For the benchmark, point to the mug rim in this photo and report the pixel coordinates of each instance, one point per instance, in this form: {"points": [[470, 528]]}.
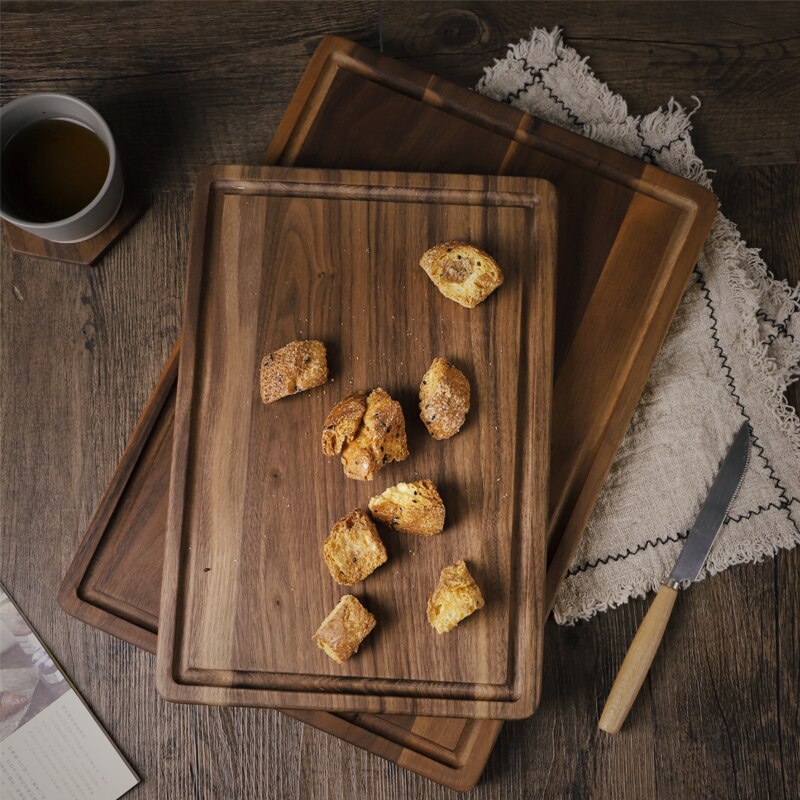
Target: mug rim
{"points": [[112, 157]]}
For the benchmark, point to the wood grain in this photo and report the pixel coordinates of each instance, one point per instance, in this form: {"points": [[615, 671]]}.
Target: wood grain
{"points": [[114, 584], [180, 113], [76, 375], [733, 60], [87, 252], [407, 127], [621, 274], [280, 254], [637, 661]]}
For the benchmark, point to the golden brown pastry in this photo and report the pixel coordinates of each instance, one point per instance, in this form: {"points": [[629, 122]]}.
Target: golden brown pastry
{"points": [[455, 598], [342, 424], [343, 630], [462, 272], [413, 508], [353, 550], [380, 440], [293, 368], [443, 399]]}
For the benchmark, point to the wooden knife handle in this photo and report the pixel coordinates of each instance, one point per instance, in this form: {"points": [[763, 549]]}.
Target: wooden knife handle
{"points": [[637, 661]]}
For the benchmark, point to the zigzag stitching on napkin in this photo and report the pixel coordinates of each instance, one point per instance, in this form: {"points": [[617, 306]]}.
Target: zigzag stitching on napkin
{"points": [[628, 552], [654, 152], [536, 78], [517, 93], [648, 151], [734, 393], [660, 540], [771, 320], [755, 512], [571, 115], [786, 500], [657, 151], [779, 326]]}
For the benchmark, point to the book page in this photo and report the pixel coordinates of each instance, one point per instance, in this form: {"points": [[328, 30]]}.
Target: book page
{"points": [[51, 745]]}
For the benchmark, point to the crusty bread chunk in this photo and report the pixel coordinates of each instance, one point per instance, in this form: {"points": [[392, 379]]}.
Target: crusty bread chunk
{"points": [[295, 367], [462, 272], [456, 597], [443, 399], [342, 424], [353, 550], [343, 630], [380, 440], [411, 508]]}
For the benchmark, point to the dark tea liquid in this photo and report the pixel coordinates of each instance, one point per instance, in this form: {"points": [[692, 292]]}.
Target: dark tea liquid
{"points": [[52, 169]]}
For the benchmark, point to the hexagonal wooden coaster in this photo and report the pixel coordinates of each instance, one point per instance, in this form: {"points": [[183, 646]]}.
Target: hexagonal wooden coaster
{"points": [[88, 252]]}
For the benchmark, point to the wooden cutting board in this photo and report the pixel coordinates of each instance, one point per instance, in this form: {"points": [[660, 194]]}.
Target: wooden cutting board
{"points": [[629, 234], [398, 117], [114, 584], [279, 254]]}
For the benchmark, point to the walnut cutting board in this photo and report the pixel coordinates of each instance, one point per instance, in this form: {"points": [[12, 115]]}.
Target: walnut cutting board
{"points": [[401, 118], [278, 254], [114, 583]]}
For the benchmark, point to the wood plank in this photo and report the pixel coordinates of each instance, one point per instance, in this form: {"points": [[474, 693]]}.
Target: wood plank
{"points": [[737, 61], [182, 94], [280, 254]]}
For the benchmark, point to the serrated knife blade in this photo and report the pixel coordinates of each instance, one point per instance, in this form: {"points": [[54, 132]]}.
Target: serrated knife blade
{"points": [[687, 568], [713, 512]]}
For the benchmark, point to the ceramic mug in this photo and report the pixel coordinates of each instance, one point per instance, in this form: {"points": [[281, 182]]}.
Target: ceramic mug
{"points": [[101, 211]]}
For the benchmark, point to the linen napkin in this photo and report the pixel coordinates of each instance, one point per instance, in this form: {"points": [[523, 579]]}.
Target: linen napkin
{"points": [[730, 354]]}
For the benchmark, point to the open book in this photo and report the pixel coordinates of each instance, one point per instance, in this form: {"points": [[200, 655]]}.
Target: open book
{"points": [[51, 745]]}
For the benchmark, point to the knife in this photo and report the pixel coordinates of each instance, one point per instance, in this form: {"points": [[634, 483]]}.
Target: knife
{"points": [[699, 542]]}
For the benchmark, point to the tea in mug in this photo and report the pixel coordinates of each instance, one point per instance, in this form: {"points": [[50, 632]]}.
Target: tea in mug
{"points": [[52, 169]]}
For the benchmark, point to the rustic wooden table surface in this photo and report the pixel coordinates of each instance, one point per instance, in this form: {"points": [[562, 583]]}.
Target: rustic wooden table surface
{"points": [[187, 84]]}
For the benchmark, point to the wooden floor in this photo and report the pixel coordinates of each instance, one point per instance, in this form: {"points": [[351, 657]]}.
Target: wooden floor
{"points": [[186, 84]]}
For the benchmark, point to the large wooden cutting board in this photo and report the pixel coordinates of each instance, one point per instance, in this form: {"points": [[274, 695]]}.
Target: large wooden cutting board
{"points": [[398, 117], [628, 236], [279, 254], [114, 584]]}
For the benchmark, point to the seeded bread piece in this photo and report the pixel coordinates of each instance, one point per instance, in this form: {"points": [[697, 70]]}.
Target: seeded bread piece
{"points": [[443, 399], [455, 598], [343, 630], [462, 272], [354, 549], [293, 368], [380, 440], [414, 508], [343, 422]]}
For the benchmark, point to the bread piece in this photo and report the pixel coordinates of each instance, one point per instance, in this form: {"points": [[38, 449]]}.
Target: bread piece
{"points": [[295, 367], [462, 272], [413, 508], [380, 440], [343, 422], [456, 597], [343, 630], [353, 550], [443, 399]]}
